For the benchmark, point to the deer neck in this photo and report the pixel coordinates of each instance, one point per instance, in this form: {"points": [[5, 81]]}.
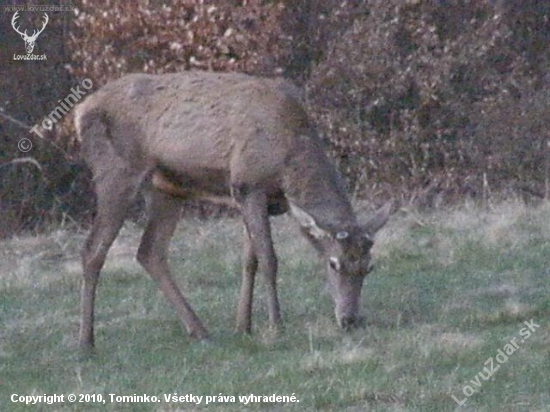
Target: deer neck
{"points": [[312, 182]]}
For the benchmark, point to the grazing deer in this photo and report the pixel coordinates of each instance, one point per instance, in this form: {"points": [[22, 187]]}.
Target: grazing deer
{"points": [[232, 138]]}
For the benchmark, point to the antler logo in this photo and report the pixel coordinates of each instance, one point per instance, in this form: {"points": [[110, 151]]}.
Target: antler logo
{"points": [[30, 41]]}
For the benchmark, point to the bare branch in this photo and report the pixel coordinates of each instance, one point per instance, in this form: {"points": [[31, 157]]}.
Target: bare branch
{"points": [[14, 120], [30, 160]]}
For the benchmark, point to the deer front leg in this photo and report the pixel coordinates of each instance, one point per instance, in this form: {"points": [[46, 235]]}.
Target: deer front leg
{"points": [[250, 267], [256, 218]]}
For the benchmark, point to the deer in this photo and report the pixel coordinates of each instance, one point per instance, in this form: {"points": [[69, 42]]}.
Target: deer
{"points": [[229, 138], [30, 41]]}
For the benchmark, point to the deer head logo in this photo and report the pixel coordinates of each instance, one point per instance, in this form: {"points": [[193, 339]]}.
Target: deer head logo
{"points": [[29, 40]]}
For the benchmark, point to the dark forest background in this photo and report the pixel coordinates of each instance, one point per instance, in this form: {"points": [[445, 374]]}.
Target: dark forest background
{"points": [[426, 102]]}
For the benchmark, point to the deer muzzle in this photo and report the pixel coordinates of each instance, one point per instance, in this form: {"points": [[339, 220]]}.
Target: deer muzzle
{"points": [[346, 300]]}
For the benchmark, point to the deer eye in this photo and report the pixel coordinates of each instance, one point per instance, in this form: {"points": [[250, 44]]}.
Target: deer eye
{"points": [[334, 263], [367, 242]]}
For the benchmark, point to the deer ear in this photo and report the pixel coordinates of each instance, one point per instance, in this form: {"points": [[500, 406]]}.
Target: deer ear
{"points": [[375, 222], [307, 222]]}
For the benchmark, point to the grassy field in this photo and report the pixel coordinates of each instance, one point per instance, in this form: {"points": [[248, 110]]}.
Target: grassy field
{"points": [[451, 290]]}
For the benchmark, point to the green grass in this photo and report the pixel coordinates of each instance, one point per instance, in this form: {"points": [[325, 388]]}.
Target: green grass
{"points": [[450, 289]]}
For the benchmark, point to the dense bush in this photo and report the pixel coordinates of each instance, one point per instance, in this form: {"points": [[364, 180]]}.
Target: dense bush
{"points": [[44, 185], [435, 100], [428, 102], [111, 38]]}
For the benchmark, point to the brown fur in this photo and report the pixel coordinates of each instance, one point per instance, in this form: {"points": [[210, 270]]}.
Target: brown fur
{"points": [[230, 138]]}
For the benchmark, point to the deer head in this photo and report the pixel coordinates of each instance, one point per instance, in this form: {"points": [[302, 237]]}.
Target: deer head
{"points": [[29, 40], [347, 253]]}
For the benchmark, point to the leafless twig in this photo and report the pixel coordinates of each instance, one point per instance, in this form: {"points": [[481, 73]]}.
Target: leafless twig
{"points": [[13, 119]]}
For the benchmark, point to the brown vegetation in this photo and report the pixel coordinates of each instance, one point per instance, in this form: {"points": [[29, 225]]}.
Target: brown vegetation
{"points": [[423, 101]]}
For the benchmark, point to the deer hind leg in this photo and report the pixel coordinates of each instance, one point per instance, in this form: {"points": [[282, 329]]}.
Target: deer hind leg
{"points": [[163, 215], [115, 191], [250, 267], [255, 213]]}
